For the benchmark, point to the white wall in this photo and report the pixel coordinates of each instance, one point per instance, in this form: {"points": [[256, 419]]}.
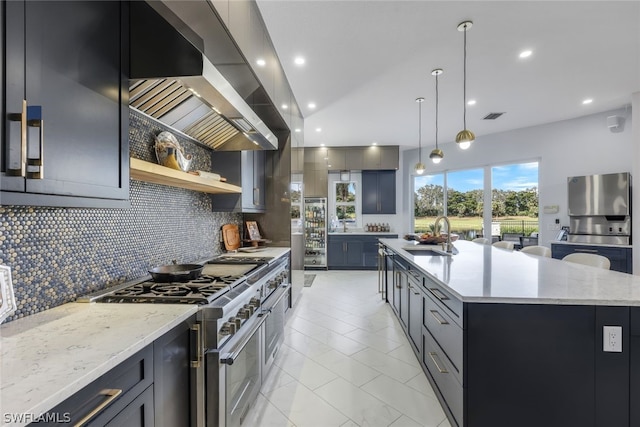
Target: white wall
{"points": [[580, 146]]}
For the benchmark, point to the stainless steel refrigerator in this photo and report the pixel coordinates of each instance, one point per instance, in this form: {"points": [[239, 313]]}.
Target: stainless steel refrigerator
{"points": [[315, 232]]}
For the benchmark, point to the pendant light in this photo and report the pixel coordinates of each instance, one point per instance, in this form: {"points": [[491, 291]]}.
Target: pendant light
{"points": [[437, 154], [420, 166], [465, 137]]}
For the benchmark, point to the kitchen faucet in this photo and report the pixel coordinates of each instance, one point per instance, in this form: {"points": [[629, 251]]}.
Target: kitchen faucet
{"points": [[344, 226], [449, 246]]}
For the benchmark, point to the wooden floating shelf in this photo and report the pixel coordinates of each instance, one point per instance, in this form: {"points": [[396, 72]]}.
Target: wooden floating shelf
{"points": [[157, 174]]}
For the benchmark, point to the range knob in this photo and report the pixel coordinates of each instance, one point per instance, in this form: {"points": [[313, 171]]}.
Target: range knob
{"points": [[227, 329], [255, 302], [244, 313], [236, 321], [273, 284]]}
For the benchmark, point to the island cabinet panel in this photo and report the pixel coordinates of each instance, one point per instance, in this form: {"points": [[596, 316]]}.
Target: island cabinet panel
{"points": [[620, 258], [634, 368], [612, 369], [65, 134], [530, 365], [416, 310]]}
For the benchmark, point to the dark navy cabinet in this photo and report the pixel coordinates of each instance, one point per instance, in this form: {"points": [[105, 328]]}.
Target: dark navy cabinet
{"points": [[153, 388], [345, 252], [621, 258], [353, 251], [66, 113], [247, 170], [379, 192]]}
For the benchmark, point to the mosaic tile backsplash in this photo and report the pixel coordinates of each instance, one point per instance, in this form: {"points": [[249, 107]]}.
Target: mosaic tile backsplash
{"points": [[57, 254]]}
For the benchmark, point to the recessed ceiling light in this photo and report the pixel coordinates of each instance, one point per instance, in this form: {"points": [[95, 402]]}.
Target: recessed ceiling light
{"points": [[471, 102], [311, 105], [318, 129], [285, 106], [321, 145], [299, 60], [261, 62], [297, 130], [374, 143], [587, 101], [525, 53]]}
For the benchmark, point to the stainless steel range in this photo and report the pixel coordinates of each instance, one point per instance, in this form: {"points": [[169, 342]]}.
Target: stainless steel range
{"points": [[239, 329]]}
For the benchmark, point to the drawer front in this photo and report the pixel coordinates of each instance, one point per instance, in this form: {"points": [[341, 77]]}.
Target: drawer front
{"points": [[446, 332], [446, 300], [114, 390], [441, 371]]}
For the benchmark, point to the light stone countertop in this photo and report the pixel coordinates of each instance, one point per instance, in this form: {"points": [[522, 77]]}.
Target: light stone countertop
{"points": [[47, 357], [482, 273]]}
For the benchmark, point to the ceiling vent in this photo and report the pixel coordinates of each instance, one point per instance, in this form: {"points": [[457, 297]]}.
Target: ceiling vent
{"points": [[492, 116]]}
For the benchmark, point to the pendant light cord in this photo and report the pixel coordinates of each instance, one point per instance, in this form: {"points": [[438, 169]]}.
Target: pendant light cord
{"points": [[464, 80], [437, 110], [420, 131]]}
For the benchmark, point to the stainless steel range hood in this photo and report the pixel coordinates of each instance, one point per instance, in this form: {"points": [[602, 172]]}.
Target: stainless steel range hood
{"points": [[172, 81]]}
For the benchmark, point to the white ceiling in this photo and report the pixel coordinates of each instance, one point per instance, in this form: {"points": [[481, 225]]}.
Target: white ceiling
{"points": [[367, 61]]}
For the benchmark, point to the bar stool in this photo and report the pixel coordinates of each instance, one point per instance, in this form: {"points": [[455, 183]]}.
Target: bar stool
{"points": [[482, 241], [589, 259], [503, 244], [537, 250]]}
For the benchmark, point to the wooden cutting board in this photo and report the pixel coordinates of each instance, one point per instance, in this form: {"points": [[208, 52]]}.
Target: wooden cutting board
{"points": [[231, 237]]}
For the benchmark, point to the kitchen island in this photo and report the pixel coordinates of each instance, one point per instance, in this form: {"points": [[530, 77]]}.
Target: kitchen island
{"points": [[510, 339]]}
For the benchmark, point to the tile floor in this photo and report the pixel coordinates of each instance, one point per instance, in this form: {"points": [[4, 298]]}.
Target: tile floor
{"points": [[345, 362]]}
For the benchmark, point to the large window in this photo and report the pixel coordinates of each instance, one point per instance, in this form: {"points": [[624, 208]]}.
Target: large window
{"points": [[460, 195], [345, 202], [429, 201], [514, 198], [465, 202]]}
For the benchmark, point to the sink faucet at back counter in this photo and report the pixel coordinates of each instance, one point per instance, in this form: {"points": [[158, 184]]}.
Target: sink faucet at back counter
{"points": [[449, 246]]}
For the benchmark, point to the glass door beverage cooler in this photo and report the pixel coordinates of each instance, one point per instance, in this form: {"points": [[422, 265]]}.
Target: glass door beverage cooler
{"points": [[315, 232]]}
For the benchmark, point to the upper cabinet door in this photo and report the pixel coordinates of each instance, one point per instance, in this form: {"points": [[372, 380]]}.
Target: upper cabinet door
{"points": [[379, 192], [69, 122]]}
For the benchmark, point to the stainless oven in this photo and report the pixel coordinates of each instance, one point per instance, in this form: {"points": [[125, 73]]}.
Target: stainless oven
{"points": [[234, 368], [238, 376], [273, 328]]}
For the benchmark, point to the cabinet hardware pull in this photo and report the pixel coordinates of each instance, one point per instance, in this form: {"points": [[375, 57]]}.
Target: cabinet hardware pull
{"points": [[34, 119], [113, 394], [195, 329], [256, 196], [438, 294], [441, 320], [412, 291], [591, 251], [22, 118], [433, 356], [398, 282]]}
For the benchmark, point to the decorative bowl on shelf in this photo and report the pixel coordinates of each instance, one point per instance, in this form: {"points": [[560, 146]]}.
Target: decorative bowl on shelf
{"points": [[170, 154]]}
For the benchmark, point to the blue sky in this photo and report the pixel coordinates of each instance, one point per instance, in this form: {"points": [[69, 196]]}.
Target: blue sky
{"points": [[506, 177]]}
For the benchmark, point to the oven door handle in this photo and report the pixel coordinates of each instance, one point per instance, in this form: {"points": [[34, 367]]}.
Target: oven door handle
{"points": [[277, 298], [230, 357]]}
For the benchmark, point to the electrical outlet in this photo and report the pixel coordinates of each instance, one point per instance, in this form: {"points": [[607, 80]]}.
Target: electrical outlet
{"points": [[612, 339]]}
